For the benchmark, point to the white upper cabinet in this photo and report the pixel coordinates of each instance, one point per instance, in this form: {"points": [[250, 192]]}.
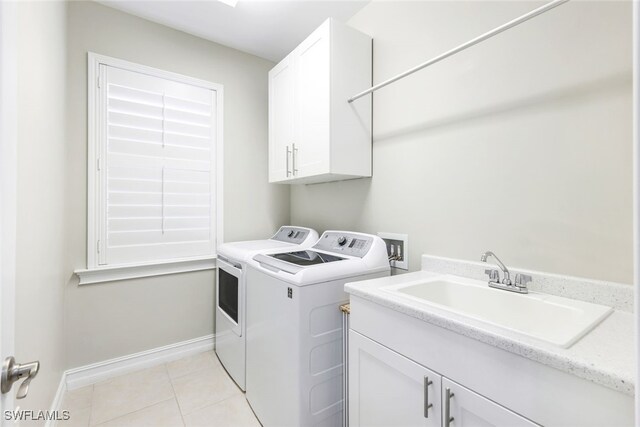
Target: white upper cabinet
{"points": [[315, 135], [281, 118]]}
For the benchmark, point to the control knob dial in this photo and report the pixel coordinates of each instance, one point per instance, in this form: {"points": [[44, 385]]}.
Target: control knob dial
{"points": [[342, 240]]}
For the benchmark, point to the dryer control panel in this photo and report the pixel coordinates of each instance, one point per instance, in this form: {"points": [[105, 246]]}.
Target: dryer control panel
{"points": [[346, 243], [295, 235]]}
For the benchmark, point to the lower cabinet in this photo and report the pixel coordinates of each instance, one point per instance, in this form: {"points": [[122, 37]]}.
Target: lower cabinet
{"points": [[463, 407], [388, 389]]}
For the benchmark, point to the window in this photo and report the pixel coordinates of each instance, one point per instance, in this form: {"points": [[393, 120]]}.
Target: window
{"points": [[153, 166]]}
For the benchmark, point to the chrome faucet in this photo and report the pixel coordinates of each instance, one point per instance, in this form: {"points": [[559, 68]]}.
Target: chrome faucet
{"points": [[521, 280], [507, 277]]}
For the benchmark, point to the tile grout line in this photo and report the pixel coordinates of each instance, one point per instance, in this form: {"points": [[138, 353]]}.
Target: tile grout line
{"points": [[216, 360], [89, 407], [175, 395], [202, 407], [131, 412], [182, 414], [93, 389], [215, 366], [216, 363], [212, 358], [204, 353]]}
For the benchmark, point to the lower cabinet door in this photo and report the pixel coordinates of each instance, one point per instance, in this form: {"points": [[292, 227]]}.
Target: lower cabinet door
{"points": [[387, 389], [465, 408]]}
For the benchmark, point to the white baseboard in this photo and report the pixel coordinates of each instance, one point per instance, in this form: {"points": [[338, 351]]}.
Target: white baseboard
{"points": [[56, 405], [91, 374], [96, 372]]}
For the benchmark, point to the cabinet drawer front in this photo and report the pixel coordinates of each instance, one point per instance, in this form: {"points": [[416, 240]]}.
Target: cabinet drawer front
{"points": [[387, 389], [467, 408]]}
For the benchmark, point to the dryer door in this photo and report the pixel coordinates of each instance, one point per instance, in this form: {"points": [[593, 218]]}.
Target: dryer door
{"points": [[230, 297]]}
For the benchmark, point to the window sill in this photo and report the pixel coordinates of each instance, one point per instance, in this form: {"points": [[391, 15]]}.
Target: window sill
{"points": [[124, 272]]}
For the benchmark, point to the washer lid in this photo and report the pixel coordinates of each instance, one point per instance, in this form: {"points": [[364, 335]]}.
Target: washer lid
{"points": [[305, 258], [242, 251], [287, 239]]}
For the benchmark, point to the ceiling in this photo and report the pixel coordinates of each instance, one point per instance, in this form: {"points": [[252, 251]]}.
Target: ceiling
{"points": [[265, 28]]}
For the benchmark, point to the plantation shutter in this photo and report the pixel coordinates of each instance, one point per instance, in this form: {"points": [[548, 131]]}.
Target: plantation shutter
{"points": [[158, 178]]}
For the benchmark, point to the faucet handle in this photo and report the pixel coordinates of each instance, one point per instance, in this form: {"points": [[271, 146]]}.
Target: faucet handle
{"points": [[493, 274], [522, 280]]}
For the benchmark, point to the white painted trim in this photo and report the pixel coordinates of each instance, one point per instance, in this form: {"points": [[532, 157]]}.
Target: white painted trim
{"points": [[124, 272], [94, 144], [92, 73], [219, 167], [91, 374], [636, 189], [96, 372], [56, 405], [96, 59], [8, 183]]}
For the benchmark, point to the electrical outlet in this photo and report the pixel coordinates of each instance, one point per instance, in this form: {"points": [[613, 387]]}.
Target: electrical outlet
{"points": [[397, 248]]}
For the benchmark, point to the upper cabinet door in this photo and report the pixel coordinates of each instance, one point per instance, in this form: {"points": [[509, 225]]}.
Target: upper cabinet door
{"points": [[313, 78], [314, 134], [387, 389], [466, 408], [281, 120]]}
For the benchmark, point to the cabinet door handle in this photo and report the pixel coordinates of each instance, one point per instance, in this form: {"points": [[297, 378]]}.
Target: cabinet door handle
{"points": [[287, 154], [294, 154], [427, 405], [448, 419]]}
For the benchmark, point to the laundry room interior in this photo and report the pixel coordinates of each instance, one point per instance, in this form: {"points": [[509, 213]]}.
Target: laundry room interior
{"points": [[319, 213]]}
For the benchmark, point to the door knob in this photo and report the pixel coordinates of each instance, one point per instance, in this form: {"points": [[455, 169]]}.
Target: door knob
{"points": [[13, 372]]}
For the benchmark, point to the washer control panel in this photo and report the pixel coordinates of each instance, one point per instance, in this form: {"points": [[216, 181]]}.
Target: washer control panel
{"points": [[294, 235], [345, 243]]}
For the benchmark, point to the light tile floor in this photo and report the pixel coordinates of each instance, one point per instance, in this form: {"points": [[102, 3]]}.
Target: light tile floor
{"points": [[194, 391]]}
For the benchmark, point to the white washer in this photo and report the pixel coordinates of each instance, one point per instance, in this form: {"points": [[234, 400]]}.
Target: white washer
{"points": [[230, 329], [294, 327]]}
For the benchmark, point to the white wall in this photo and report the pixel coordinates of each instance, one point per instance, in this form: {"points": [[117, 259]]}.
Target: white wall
{"points": [[114, 319], [41, 207], [521, 145]]}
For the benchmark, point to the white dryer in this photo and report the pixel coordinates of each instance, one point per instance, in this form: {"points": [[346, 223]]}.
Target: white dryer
{"points": [[294, 326], [230, 327]]}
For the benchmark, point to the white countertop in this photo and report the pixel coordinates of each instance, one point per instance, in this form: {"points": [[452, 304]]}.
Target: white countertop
{"points": [[605, 355]]}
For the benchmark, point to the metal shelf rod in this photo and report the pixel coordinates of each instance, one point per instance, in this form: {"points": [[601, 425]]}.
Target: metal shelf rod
{"points": [[481, 38]]}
